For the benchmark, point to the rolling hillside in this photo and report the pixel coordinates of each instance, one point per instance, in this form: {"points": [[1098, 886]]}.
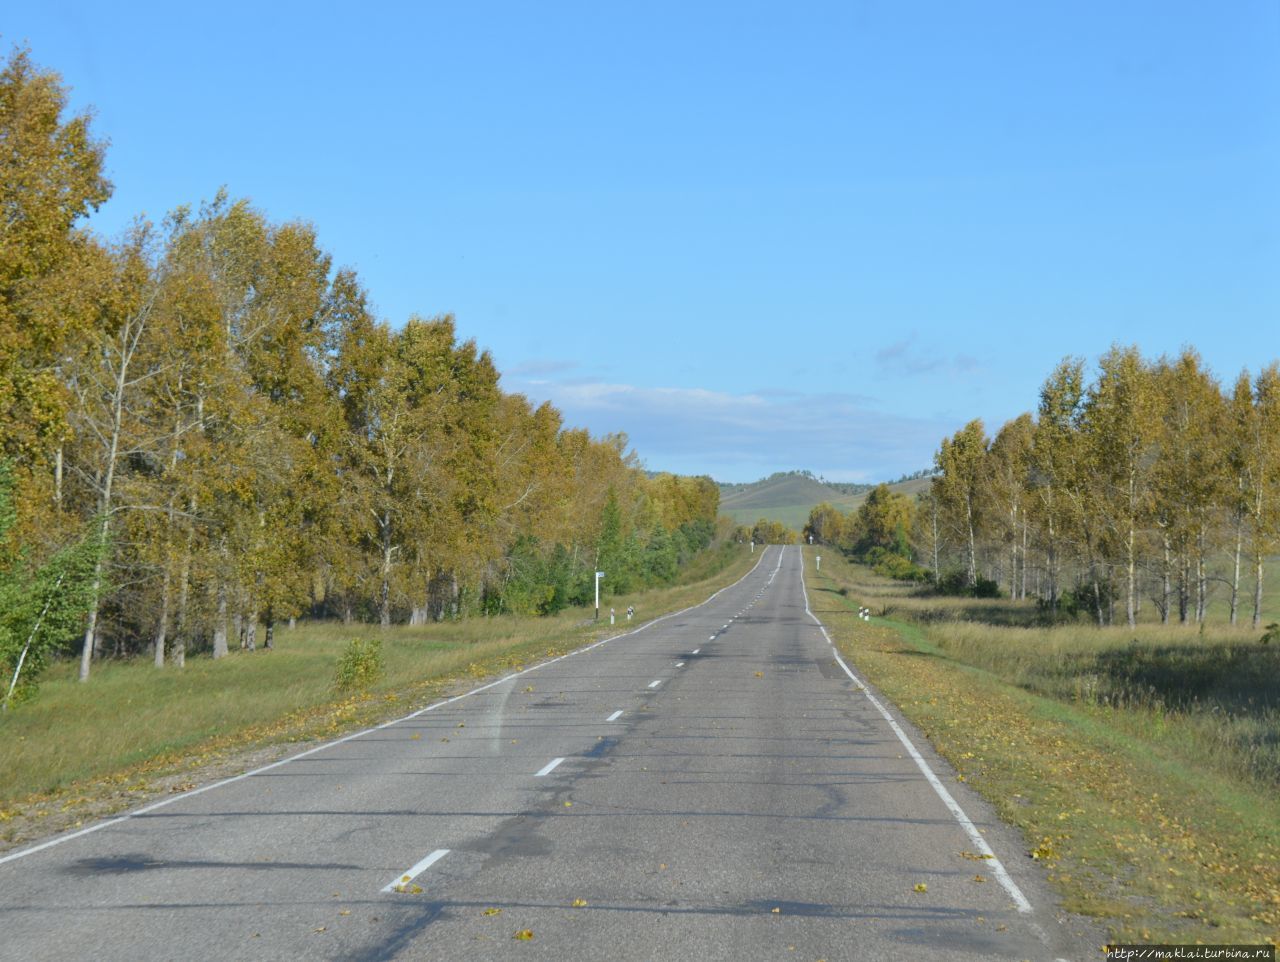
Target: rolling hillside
{"points": [[789, 496]]}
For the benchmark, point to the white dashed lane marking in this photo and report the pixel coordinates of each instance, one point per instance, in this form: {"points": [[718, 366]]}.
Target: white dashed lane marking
{"points": [[417, 870], [548, 768]]}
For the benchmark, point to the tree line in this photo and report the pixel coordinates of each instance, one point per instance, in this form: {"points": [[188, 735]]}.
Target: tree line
{"points": [[1149, 482], [765, 531], [878, 533], [215, 411]]}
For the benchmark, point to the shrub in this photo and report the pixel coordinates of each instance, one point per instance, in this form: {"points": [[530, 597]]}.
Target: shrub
{"points": [[957, 583], [891, 564], [360, 666]]}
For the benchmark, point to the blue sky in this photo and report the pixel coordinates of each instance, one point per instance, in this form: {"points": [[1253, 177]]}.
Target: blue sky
{"points": [[752, 236]]}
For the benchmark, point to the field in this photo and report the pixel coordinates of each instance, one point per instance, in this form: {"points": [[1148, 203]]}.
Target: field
{"points": [[75, 744], [789, 498], [1142, 766]]}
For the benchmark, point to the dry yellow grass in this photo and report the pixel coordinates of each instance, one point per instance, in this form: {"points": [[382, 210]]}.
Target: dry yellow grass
{"points": [[1138, 825]]}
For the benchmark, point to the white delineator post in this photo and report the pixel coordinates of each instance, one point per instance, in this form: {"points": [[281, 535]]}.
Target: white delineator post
{"points": [[599, 575], [753, 547], [818, 565]]}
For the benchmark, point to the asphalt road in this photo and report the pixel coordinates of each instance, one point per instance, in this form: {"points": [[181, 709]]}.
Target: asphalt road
{"points": [[713, 786]]}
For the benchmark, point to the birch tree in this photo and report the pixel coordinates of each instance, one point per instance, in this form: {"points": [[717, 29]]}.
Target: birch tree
{"points": [[106, 384], [961, 461], [1119, 422], [1262, 473], [1053, 463], [1009, 467]]}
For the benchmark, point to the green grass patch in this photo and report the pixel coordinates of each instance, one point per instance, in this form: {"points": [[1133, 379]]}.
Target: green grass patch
{"points": [[75, 743], [1138, 766], [792, 515]]}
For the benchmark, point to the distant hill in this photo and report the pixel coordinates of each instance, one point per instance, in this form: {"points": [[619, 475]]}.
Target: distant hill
{"points": [[788, 496], [791, 487]]}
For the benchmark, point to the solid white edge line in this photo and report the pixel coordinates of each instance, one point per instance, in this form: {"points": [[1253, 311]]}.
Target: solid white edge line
{"points": [[615, 715], [548, 768], [655, 684], [146, 809], [952, 805], [417, 870]]}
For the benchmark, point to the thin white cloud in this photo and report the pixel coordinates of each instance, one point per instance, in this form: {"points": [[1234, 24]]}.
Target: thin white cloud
{"points": [[903, 359], [743, 436]]}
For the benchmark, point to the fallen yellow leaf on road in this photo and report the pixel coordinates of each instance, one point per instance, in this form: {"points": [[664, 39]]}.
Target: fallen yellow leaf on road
{"points": [[524, 935], [579, 903], [921, 887], [493, 911]]}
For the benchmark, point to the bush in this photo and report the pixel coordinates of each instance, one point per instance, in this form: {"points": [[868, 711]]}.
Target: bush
{"points": [[892, 564], [957, 583], [360, 666]]}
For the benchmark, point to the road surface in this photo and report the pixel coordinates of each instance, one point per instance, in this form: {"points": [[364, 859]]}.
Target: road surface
{"points": [[715, 785]]}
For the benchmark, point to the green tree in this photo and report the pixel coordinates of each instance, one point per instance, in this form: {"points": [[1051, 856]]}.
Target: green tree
{"points": [[41, 605], [660, 555], [884, 518]]}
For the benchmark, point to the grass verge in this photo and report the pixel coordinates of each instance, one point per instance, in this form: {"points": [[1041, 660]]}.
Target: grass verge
{"points": [[77, 751], [1135, 826]]}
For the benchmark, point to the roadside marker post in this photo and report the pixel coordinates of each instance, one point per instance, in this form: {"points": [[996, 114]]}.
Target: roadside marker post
{"points": [[599, 575]]}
